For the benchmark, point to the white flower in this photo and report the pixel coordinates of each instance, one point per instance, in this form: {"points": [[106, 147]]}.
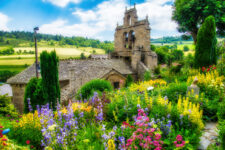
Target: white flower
{"points": [[150, 88]]}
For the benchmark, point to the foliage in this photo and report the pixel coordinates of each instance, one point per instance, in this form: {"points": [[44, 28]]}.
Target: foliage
{"points": [[147, 76], [157, 70], [129, 80], [174, 90], [50, 77], [222, 133], [162, 54], [198, 11], [8, 51], [205, 54], [27, 128], [6, 107], [82, 56], [5, 74], [177, 54], [92, 86], [186, 48], [189, 60], [34, 95]]}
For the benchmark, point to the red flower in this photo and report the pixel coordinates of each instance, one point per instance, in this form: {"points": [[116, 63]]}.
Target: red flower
{"points": [[214, 68], [28, 142], [210, 66], [203, 69], [208, 69], [31, 146], [1, 127], [4, 144], [4, 139], [125, 123]]}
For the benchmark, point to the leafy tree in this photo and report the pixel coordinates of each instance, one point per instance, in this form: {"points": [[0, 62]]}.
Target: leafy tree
{"points": [[50, 77], [186, 48], [129, 80], [190, 14], [177, 54], [205, 53]]}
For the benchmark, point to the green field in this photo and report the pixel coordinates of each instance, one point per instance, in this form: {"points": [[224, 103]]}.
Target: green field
{"points": [[20, 62]]}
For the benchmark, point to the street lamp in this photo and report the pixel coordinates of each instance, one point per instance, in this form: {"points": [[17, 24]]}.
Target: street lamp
{"points": [[36, 51]]}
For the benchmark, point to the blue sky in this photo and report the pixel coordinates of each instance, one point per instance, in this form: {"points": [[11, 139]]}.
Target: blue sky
{"points": [[88, 18]]}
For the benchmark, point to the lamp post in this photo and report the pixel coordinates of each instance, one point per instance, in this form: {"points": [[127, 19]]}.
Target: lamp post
{"points": [[36, 51]]}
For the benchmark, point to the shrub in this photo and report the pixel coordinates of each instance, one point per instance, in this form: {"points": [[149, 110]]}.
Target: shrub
{"points": [[176, 69], [6, 107], [174, 90], [186, 48], [157, 70], [222, 133], [92, 86], [28, 128], [4, 75], [129, 80], [147, 76], [34, 92]]}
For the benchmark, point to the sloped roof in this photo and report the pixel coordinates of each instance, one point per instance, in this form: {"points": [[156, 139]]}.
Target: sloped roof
{"points": [[89, 69], [25, 76]]}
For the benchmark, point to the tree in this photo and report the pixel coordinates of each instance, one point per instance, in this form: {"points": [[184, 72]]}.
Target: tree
{"points": [[190, 14], [50, 77], [205, 53]]}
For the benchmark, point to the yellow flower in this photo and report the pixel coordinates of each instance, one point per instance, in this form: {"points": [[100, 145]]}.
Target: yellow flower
{"points": [[111, 145]]}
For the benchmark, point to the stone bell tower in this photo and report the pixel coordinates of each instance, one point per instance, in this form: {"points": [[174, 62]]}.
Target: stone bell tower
{"points": [[132, 41]]}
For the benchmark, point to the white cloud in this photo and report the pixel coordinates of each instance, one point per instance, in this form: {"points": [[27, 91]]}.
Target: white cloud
{"points": [[3, 22], [102, 20], [62, 3]]}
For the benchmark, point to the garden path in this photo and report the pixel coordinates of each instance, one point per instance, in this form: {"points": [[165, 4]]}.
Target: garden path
{"points": [[209, 135]]}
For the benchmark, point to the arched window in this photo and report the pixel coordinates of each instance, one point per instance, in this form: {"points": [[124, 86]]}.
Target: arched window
{"points": [[131, 39], [125, 39], [128, 20]]}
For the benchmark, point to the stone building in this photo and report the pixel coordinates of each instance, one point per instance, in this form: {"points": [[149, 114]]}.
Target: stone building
{"points": [[132, 56]]}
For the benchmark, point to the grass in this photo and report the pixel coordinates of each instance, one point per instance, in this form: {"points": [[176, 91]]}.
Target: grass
{"points": [[19, 62]]}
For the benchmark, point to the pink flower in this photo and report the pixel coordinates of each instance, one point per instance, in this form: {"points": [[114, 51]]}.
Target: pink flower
{"points": [[139, 130], [158, 148], [179, 138], [157, 136]]}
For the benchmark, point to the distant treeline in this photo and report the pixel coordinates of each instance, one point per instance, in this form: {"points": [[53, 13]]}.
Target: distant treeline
{"points": [[14, 38], [172, 39]]}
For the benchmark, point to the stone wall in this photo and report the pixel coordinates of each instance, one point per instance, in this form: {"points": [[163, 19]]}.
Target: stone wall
{"points": [[18, 96], [141, 69], [113, 77]]}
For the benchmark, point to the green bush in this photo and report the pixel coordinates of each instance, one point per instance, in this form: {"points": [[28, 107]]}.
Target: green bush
{"points": [[222, 133], [4, 75], [129, 80], [92, 86], [174, 90], [6, 107], [157, 70], [221, 110], [186, 48], [147, 76], [34, 91]]}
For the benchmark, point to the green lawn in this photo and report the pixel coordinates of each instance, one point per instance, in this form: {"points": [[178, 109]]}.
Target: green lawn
{"points": [[20, 62]]}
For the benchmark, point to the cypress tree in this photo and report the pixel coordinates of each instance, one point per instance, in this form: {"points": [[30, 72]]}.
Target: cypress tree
{"points": [[205, 54], [50, 78]]}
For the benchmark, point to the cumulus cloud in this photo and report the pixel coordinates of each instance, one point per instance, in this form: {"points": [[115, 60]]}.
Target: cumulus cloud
{"points": [[62, 3], [3, 22], [103, 18]]}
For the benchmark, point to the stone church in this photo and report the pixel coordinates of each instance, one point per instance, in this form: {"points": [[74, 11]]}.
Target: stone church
{"points": [[132, 56]]}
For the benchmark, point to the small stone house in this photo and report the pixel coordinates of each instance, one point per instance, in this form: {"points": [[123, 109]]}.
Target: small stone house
{"points": [[132, 56]]}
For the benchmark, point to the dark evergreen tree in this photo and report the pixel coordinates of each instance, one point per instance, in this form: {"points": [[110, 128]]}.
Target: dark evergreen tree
{"points": [[205, 53], [50, 78]]}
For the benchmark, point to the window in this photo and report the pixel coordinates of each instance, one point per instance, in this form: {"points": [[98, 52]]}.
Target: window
{"points": [[129, 20], [116, 85]]}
